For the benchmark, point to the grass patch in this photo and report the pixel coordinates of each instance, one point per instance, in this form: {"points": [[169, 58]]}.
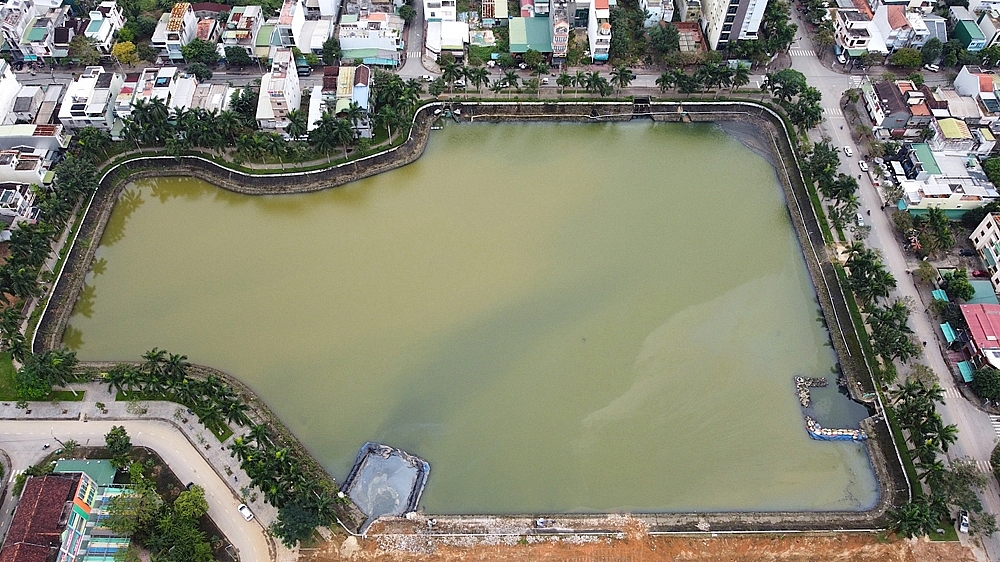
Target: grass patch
{"points": [[65, 396], [7, 371], [949, 534]]}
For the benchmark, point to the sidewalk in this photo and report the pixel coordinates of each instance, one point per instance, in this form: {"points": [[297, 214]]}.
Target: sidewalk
{"points": [[215, 454]]}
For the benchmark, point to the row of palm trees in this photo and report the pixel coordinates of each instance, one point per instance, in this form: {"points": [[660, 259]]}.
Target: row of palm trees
{"points": [[705, 77], [165, 376], [31, 244], [840, 189]]}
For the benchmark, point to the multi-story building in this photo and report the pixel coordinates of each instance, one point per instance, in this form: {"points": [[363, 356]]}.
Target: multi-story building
{"points": [[896, 108], [174, 30], [9, 90], [279, 92], [354, 86], [949, 182], [851, 29], [17, 202], [90, 100], [370, 31], [27, 104], [39, 40], [15, 18], [599, 30], [689, 10], [986, 239], [242, 27], [560, 32], [989, 24], [35, 533], [105, 21], [966, 29], [731, 20], [657, 11], [291, 19], [439, 10]]}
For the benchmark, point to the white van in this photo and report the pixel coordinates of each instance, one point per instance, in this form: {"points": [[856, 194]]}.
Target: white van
{"points": [[932, 67]]}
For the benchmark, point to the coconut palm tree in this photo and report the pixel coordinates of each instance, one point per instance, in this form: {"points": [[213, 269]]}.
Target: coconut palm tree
{"points": [[564, 80], [342, 134], [666, 81], [297, 127], [621, 77], [322, 136], [741, 76]]}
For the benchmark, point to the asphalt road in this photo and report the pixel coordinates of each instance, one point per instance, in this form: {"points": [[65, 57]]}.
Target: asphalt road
{"points": [[976, 437], [23, 441]]}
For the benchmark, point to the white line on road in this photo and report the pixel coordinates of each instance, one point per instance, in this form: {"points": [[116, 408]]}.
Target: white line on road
{"points": [[802, 53], [995, 420], [832, 111]]}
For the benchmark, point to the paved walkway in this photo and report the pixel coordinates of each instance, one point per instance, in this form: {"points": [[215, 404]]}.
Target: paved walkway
{"points": [[165, 427]]}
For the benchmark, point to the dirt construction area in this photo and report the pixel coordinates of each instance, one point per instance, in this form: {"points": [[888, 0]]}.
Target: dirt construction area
{"points": [[772, 548]]}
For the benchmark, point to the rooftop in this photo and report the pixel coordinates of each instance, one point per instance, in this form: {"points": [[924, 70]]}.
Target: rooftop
{"points": [[984, 324], [177, 16], [100, 471], [38, 519]]}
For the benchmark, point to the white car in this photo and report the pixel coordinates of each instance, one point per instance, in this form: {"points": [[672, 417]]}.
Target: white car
{"points": [[245, 512], [848, 151], [963, 521], [863, 165], [861, 219]]}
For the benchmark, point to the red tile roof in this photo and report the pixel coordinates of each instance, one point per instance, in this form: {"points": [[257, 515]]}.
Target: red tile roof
{"points": [[37, 519], [984, 324], [897, 16]]}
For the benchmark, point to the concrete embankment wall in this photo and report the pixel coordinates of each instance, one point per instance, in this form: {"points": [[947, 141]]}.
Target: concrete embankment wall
{"points": [[770, 139]]}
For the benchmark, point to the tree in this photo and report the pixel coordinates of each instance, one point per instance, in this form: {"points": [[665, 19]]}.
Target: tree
{"points": [[776, 31], [331, 51], [238, 57], [296, 127], [940, 228], [92, 143], [982, 524], [125, 53], [296, 522], [957, 285], [436, 87], [664, 39], [916, 518], [407, 13], [117, 441], [82, 48], [191, 503], [29, 385], [200, 71], [621, 77], [986, 383], [199, 50], [931, 51], [784, 84], [907, 58], [533, 58]]}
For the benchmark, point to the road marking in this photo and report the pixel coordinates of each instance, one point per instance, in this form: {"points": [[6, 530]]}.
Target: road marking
{"points": [[832, 111], [856, 81], [412, 55], [995, 420], [985, 466], [802, 53]]}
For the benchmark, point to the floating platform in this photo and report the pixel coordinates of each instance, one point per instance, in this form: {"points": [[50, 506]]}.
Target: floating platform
{"points": [[385, 481], [818, 432]]}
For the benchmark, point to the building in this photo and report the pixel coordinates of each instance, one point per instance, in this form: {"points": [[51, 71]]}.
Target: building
{"points": [[242, 27], [983, 320], [851, 29], [689, 10], [105, 22], [989, 24], [896, 108], [209, 30], [986, 239], [85, 539], [35, 533], [530, 33], [937, 27], [16, 16], [900, 28], [17, 202], [354, 86], [90, 100], [598, 30], [10, 88], [439, 10], [559, 17], [951, 183], [39, 39], [27, 104], [380, 31], [657, 11], [731, 20], [50, 104], [972, 82], [174, 30], [966, 30], [279, 92], [291, 20]]}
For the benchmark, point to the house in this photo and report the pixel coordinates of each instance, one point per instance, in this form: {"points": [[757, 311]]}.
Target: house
{"points": [[530, 33], [689, 10], [38, 41], [105, 21], [561, 30], [966, 30], [242, 27], [951, 183], [974, 83], [90, 100], [85, 538], [439, 10], [598, 30], [16, 16], [986, 239], [10, 88], [50, 104], [290, 23], [851, 29], [45, 141], [983, 320], [27, 103], [279, 92], [380, 31], [35, 533], [937, 27], [208, 29], [952, 135], [174, 30], [726, 21], [17, 202], [898, 107], [989, 24], [354, 86], [657, 11]]}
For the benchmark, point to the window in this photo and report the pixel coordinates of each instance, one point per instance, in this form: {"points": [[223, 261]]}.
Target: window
{"points": [[727, 27], [724, 37], [733, 9], [730, 19]]}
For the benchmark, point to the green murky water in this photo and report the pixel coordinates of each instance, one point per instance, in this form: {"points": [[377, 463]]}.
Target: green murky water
{"points": [[557, 317]]}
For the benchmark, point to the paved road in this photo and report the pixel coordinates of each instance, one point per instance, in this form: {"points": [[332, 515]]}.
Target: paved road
{"points": [[976, 437], [23, 441]]}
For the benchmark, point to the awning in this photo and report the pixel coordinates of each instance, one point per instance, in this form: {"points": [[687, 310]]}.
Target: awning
{"points": [[949, 333], [940, 295], [966, 370], [856, 52], [48, 177]]}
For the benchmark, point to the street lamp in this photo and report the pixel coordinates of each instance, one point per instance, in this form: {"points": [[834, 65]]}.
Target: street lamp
{"points": [[52, 433]]}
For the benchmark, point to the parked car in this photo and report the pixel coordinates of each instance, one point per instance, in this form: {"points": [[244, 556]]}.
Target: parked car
{"points": [[967, 252], [963, 521], [460, 84], [426, 78], [980, 273], [841, 59], [245, 512], [863, 165], [861, 219], [932, 67], [848, 151]]}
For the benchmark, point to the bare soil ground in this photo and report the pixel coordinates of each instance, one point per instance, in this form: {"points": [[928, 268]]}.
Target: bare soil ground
{"points": [[777, 548]]}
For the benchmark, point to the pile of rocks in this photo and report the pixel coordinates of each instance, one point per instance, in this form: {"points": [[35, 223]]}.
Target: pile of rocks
{"points": [[802, 385]]}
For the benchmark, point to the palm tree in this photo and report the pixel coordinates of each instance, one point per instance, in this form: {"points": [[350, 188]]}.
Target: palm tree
{"points": [[477, 76], [621, 77], [450, 71], [564, 80], [741, 76], [342, 134], [666, 81], [322, 136], [510, 79], [297, 127], [388, 117]]}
